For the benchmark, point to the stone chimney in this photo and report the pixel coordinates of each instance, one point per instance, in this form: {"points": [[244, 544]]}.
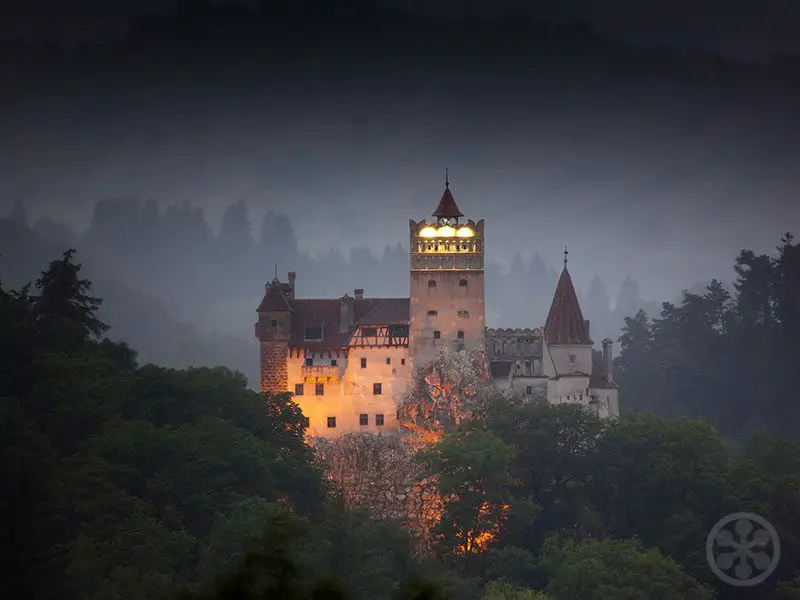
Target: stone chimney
{"points": [[588, 329], [292, 277], [346, 313], [608, 358], [358, 293]]}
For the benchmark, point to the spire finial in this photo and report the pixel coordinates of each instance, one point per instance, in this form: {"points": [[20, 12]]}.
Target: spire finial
{"points": [[565, 256], [276, 271], [446, 178]]}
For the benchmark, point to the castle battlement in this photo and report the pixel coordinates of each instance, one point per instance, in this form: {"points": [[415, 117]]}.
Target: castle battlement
{"points": [[350, 361]]}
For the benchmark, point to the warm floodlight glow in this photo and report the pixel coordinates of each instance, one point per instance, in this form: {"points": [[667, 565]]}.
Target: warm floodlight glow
{"points": [[447, 231], [428, 232], [465, 232]]}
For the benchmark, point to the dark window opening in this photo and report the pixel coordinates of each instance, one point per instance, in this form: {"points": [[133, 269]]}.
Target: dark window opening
{"points": [[572, 359], [433, 313], [369, 332], [319, 389], [331, 422], [463, 283], [314, 333], [363, 419], [379, 420], [431, 283], [398, 330], [298, 389], [306, 422], [463, 314], [529, 390], [377, 389], [309, 362], [363, 363], [388, 360], [460, 335], [437, 334], [274, 323], [334, 362], [402, 361]]}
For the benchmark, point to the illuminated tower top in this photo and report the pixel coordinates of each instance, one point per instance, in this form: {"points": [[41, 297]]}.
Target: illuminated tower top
{"points": [[445, 244]]}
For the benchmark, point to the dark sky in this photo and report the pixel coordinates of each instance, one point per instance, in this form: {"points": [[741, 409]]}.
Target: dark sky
{"points": [[743, 28]]}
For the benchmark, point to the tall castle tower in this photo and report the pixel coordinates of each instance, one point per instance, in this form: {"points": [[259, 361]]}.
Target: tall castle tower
{"points": [[446, 307]]}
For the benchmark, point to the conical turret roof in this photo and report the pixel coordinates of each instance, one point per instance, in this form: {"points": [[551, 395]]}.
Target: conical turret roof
{"points": [[447, 205], [565, 323]]}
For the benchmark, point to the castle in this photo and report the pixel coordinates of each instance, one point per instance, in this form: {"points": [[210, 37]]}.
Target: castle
{"points": [[350, 361]]}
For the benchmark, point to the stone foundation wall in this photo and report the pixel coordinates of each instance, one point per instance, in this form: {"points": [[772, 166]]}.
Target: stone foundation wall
{"points": [[274, 371]]}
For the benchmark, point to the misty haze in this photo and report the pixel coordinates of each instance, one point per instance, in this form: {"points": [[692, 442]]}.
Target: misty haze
{"points": [[217, 207]]}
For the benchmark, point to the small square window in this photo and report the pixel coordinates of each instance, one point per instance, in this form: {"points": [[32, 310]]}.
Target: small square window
{"points": [[306, 422], [460, 335], [334, 362], [529, 390], [319, 389], [363, 419], [377, 389], [463, 283], [309, 362], [433, 313], [298, 389], [363, 363], [331, 422], [274, 323], [379, 420], [403, 361], [437, 334], [431, 283], [388, 360]]}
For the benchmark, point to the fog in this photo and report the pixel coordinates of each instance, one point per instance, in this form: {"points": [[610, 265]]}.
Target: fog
{"points": [[654, 165]]}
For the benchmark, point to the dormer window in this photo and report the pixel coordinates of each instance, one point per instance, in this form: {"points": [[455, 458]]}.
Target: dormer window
{"points": [[313, 334]]}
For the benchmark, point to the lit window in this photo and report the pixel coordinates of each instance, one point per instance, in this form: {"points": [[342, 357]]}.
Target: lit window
{"points": [[319, 389], [363, 419], [377, 389], [379, 420], [331, 422], [298, 389]]}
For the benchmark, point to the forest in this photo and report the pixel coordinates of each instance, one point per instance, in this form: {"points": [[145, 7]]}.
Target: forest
{"points": [[128, 481]]}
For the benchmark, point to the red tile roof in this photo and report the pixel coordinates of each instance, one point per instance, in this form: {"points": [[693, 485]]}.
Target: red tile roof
{"points": [[447, 206], [565, 323], [274, 299], [598, 380], [326, 314]]}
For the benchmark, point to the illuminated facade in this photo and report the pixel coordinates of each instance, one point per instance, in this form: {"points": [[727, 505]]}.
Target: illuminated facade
{"points": [[349, 361]]}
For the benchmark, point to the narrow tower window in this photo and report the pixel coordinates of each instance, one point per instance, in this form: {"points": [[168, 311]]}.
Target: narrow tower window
{"points": [[331, 422], [363, 419], [460, 335], [377, 389], [319, 389], [379, 420], [437, 334]]}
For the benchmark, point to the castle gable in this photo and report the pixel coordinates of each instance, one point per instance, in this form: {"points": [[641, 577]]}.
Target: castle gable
{"points": [[325, 314], [599, 378], [274, 299]]}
